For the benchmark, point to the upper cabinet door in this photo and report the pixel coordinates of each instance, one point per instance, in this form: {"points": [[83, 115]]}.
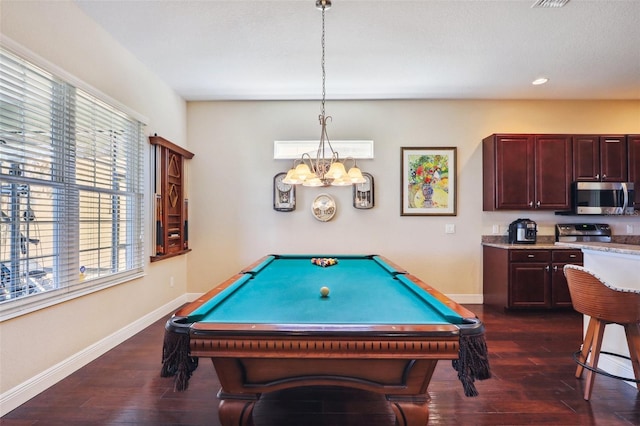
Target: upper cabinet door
{"points": [[553, 159], [586, 158], [613, 158], [600, 158]]}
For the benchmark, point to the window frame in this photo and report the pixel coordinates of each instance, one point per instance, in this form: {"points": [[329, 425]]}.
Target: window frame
{"points": [[73, 289]]}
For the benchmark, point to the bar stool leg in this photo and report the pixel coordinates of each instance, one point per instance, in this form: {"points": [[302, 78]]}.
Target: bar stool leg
{"points": [[598, 334], [586, 346], [633, 340]]}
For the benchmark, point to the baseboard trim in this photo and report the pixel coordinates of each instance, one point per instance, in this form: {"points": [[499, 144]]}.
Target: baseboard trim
{"points": [[190, 297], [617, 366], [20, 394], [466, 299]]}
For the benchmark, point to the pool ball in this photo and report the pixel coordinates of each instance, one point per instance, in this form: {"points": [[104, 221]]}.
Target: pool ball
{"points": [[324, 291]]}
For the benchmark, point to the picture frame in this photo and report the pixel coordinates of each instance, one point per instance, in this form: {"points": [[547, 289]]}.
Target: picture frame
{"points": [[284, 194], [363, 193], [428, 181]]}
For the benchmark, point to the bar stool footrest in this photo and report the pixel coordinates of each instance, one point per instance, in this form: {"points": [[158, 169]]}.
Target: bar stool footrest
{"points": [[599, 371]]}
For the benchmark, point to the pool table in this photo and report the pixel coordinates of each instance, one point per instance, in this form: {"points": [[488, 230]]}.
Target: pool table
{"points": [[380, 329]]}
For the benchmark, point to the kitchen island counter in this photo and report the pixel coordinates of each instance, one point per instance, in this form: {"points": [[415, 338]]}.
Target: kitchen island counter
{"points": [[625, 249]]}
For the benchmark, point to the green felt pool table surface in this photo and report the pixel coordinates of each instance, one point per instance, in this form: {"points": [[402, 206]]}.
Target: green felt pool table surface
{"points": [[363, 290]]}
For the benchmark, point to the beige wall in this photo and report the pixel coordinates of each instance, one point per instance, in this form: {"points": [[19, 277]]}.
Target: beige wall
{"points": [[61, 34], [233, 221]]}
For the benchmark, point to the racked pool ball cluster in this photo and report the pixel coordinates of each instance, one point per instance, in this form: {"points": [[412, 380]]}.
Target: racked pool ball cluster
{"points": [[324, 261]]}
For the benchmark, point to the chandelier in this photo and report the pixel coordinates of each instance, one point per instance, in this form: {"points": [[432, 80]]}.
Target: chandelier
{"points": [[326, 168]]}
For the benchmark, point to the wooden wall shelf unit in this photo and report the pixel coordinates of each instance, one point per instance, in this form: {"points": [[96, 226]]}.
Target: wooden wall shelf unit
{"points": [[171, 212]]}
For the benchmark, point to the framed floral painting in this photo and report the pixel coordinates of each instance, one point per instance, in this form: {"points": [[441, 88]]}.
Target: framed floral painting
{"points": [[428, 181]]}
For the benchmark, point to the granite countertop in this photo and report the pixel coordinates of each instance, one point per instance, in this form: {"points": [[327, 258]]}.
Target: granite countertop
{"points": [[631, 249], [622, 244], [542, 242], [536, 246]]}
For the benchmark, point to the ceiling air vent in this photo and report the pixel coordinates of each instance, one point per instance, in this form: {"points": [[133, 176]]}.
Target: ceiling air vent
{"points": [[549, 3]]}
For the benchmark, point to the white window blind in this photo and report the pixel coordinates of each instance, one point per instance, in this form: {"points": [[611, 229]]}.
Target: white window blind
{"points": [[71, 201]]}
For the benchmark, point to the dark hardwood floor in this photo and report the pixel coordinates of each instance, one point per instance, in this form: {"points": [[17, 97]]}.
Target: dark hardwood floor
{"points": [[533, 383]]}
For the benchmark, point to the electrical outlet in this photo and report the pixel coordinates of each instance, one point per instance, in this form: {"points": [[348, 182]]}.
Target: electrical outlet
{"points": [[496, 229], [450, 228], [629, 229]]}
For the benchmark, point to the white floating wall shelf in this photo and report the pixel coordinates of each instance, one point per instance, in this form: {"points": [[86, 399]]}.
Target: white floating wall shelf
{"points": [[290, 150]]}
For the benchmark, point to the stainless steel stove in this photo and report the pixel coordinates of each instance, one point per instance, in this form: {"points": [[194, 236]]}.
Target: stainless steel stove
{"points": [[581, 232]]}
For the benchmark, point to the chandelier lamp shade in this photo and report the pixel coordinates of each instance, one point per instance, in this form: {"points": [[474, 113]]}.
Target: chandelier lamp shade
{"points": [[326, 168]]}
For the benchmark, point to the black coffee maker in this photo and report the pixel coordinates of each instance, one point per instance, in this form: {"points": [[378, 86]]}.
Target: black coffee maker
{"points": [[523, 231]]}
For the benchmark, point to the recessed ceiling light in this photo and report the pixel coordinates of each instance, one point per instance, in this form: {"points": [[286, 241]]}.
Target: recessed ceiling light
{"points": [[539, 81]]}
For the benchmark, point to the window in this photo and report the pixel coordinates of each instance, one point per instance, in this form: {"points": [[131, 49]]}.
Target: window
{"points": [[71, 200]]}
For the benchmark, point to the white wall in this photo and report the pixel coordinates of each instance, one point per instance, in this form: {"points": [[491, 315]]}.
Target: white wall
{"points": [[231, 182], [39, 348]]}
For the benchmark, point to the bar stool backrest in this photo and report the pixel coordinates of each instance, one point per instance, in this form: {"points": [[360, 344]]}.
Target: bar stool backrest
{"points": [[592, 296]]}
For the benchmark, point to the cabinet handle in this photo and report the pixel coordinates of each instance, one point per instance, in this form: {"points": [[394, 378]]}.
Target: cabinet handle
{"points": [[546, 268], [598, 176], [531, 255], [573, 255], [555, 268], [604, 176], [530, 203], [538, 204]]}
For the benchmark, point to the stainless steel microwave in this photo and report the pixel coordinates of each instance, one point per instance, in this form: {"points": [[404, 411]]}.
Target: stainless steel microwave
{"points": [[614, 198]]}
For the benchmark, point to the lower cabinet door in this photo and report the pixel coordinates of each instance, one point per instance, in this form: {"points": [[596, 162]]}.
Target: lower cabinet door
{"points": [[529, 285], [560, 296]]}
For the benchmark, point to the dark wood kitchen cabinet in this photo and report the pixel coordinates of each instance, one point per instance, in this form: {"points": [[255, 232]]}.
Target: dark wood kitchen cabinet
{"points": [[598, 158], [633, 146], [527, 278], [526, 172]]}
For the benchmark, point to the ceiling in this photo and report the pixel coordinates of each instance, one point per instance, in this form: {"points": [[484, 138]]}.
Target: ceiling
{"points": [[382, 49]]}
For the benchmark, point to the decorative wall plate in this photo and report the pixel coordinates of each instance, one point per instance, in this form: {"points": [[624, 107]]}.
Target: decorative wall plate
{"points": [[323, 207]]}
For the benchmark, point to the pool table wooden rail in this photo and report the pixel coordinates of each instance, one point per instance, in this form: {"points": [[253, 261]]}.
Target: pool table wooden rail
{"points": [[335, 347]]}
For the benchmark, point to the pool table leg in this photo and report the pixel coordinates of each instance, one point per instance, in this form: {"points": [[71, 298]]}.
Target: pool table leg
{"points": [[236, 410], [410, 410]]}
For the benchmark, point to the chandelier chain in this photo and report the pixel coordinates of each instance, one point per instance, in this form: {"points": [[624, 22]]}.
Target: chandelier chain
{"points": [[323, 69]]}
